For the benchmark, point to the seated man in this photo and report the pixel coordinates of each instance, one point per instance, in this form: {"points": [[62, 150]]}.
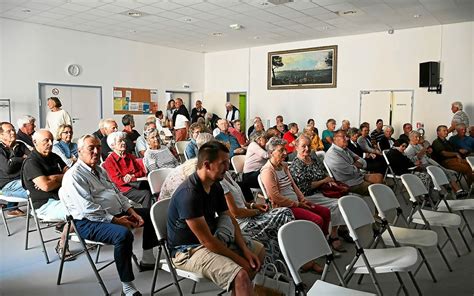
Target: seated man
{"points": [[345, 166], [192, 225], [103, 214], [12, 155], [26, 128], [461, 141], [230, 141], [235, 130], [257, 127], [100, 133], [407, 128], [448, 156], [42, 173]]}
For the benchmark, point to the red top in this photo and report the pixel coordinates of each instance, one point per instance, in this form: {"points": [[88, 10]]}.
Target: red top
{"points": [[240, 136], [117, 167], [289, 137]]}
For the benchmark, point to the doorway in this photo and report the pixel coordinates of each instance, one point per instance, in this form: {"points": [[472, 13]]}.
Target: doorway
{"points": [[82, 102], [394, 107], [239, 99], [185, 96]]}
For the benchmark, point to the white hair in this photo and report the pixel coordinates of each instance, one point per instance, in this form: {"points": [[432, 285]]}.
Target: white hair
{"points": [[457, 105], [80, 142], [37, 135], [109, 121], [112, 138], [386, 127], [25, 119], [101, 123]]}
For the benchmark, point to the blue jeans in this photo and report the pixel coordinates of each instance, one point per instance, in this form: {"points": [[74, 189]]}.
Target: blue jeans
{"points": [[15, 189], [121, 238]]}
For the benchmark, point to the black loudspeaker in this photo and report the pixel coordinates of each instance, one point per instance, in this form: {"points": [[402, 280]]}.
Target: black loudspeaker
{"points": [[429, 74]]}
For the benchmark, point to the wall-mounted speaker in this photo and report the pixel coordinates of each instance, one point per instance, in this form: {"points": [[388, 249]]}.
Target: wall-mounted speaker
{"points": [[429, 74]]}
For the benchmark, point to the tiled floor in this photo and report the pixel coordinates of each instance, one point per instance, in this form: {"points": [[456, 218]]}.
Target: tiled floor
{"points": [[26, 273]]}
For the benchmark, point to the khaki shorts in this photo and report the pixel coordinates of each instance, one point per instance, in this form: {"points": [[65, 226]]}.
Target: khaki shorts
{"points": [[219, 269], [362, 188]]}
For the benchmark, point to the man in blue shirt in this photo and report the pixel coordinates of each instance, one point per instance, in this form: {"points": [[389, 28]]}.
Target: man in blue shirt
{"points": [[461, 141], [227, 139]]}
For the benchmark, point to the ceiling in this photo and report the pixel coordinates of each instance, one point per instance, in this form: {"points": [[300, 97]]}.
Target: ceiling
{"points": [[193, 24]]}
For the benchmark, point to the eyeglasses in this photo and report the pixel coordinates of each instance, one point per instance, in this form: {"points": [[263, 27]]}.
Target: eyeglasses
{"points": [[67, 132]]}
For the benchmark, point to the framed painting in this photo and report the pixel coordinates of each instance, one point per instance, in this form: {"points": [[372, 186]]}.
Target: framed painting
{"points": [[314, 67]]}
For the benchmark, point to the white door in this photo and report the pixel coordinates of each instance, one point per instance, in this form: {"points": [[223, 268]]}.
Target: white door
{"points": [[401, 110], [374, 105], [84, 105]]}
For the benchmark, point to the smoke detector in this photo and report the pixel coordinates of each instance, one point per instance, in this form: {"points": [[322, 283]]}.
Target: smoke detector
{"points": [[235, 26]]}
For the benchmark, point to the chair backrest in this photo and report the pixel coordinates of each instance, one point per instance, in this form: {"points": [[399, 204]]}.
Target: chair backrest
{"points": [[384, 153], [328, 169], [470, 160], [301, 241], [438, 177], [260, 183], [356, 213], [159, 217], [181, 146], [384, 199], [320, 154], [156, 179], [238, 163], [414, 186]]}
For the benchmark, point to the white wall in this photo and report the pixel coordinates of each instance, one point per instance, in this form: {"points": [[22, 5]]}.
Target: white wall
{"points": [[32, 53], [369, 61]]}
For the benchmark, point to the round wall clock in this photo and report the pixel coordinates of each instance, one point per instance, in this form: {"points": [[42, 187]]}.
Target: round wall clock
{"points": [[74, 70]]}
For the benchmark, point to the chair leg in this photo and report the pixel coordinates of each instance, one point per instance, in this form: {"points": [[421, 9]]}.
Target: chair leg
{"points": [[464, 239], [38, 229], [91, 263], [66, 244], [97, 254], [467, 224], [27, 232], [451, 241], [155, 271], [5, 222], [173, 272], [428, 266], [193, 290], [444, 258], [402, 285], [372, 275], [412, 277]]}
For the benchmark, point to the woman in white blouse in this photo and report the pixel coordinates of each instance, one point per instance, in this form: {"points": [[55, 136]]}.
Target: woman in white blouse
{"points": [[57, 116]]}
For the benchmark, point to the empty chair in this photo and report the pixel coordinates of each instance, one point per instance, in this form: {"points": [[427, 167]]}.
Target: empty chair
{"points": [[2, 210], [156, 179], [296, 254], [159, 216], [180, 147], [429, 218], [440, 181], [394, 236], [356, 213]]}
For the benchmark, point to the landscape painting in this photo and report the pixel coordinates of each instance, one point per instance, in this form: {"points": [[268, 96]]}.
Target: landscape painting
{"points": [[303, 68]]}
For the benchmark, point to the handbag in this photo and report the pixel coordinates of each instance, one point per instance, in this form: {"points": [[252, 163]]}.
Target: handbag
{"points": [[334, 189], [273, 282]]}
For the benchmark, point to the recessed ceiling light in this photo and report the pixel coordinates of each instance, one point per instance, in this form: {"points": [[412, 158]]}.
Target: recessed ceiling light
{"points": [[135, 14], [26, 10], [416, 15], [188, 20], [264, 3], [132, 31], [347, 12], [217, 34], [256, 37], [235, 26]]}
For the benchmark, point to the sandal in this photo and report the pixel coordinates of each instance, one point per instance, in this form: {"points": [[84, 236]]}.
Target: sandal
{"points": [[339, 248], [68, 256], [314, 268]]}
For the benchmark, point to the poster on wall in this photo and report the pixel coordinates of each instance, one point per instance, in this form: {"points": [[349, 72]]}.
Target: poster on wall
{"points": [[121, 104], [314, 67], [133, 100]]}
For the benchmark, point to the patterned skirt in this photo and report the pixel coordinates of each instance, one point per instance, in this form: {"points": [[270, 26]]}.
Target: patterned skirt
{"points": [[264, 228]]}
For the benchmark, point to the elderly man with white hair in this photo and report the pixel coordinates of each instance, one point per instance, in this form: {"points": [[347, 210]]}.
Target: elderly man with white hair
{"points": [[459, 117], [26, 128], [232, 113], [101, 213], [124, 170]]}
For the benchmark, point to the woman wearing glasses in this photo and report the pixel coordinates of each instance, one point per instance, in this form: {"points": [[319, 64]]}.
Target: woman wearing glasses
{"points": [[63, 146]]}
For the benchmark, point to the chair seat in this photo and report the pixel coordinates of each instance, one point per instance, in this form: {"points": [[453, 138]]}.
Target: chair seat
{"points": [[441, 219], [411, 237], [73, 237], [401, 259], [197, 277], [323, 288], [13, 198], [457, 205]]}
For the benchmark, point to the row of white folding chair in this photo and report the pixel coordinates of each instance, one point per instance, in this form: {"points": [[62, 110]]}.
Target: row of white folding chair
{"points": [[156, 178], [180, 148], [429, 218]]}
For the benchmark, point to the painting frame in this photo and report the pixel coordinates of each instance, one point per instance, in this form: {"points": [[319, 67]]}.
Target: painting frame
{"points": [[304, 56]]}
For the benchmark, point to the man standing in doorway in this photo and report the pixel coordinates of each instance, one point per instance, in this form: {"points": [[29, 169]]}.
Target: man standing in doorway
{"points": [[232, 112], [180, 121]]}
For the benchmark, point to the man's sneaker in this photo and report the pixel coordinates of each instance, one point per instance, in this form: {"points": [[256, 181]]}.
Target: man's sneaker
{"points": [[461, 194], [15, 213]]}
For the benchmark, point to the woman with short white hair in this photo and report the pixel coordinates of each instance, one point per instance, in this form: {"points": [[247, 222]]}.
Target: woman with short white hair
{"points": [[157, 156], [124, 170]]}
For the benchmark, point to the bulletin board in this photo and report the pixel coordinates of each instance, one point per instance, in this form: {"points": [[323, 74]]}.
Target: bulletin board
{"points": [[134, 100]]}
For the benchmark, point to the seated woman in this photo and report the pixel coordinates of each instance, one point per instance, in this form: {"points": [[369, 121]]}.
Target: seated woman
{"points": [[255, 158], [157, 156], [309, 176], [315, 140], [365, 143], [328, 133], [181, 172], [283, 192], [124, 170], [255, 219], [191, 149], [313, 125], [387, 142], [417, 151], [64, 147]]}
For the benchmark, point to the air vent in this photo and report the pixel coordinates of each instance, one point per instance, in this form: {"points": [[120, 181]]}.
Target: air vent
{"points": [[280, 2]]}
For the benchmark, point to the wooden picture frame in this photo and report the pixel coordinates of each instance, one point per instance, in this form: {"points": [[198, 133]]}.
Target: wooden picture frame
{"points": [[314, 67]]}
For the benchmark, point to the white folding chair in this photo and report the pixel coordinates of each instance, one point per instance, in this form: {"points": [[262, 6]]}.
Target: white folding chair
{"points": [[356, 214], [385, 201], [159, 217], [180, 147], [416, 189], [470, 161], [238, 162], [19, 200], [156, 179], [440, 181], [264, 191], [328, 169], [296, 254], [389, 173]]}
